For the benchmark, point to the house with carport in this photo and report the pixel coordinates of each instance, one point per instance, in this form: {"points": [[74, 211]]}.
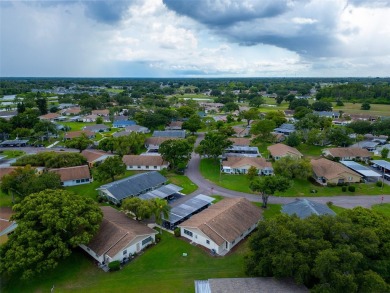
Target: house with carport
{"points": [[71, 176], [144, 163], [280, 150], [347, 154], [241, 165], [118, 238], [223, 225], [326, 171], [94, 157]]}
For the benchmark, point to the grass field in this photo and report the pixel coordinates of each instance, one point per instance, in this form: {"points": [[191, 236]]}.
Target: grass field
{"points": [[271, 211], [382, 208], [75, 126], [310, 150], [5, 199], [161, 268], [376, 109], [11, 154], [183, 181], [210, 171]]}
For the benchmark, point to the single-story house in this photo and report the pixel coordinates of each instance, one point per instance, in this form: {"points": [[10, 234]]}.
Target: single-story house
{"points": [[104, 112], [7, 115], [97, 128], [137, 128], [369, 145], [122, 122], [240, 131], [118, 238], [329, 114], [304, 208], [347, 154], [170, 133], [241, 165], [95, 156], [278, 137], [175, 125], [285, 128], [71, 176], [49, 117], [240, 141], [132, 186], [144, 163], [89, 118], [248, 285], [14, 143], [281, 150], [326, 171], [155, 142], [222, 225], [71, 111], [74, 134]]}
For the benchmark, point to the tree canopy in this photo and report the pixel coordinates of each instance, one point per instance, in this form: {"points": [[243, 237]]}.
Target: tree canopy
{"points": [[81, 143], [50, 224], [111, 167], [291, 168], [268, 185], [345, 253], [52, 160], [213, 145], [176, 151]]}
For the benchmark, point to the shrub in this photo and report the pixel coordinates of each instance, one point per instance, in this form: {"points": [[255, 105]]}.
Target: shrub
{"points": [[379, 183], [114, 265], [177, 232], [329, 203], [158, 237], [344, 188], [351, 188]]}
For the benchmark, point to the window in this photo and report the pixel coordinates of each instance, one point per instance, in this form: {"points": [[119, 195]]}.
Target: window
{"points": [[147, 167], [125, 252], [208, 241], [130, 166], [78, 181], [189, 233], [155, 167], [147, 240], [349, 178], [139, 167]]}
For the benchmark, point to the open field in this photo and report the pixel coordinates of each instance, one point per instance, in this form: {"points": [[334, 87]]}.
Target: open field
{"points": [[75, 126], [376, 109], [183, 181], [11, 154], [161, 268], [210, 170]]}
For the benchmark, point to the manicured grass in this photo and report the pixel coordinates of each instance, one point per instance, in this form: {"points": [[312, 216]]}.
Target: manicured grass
{"points": [[210, 170], [217, 198], [182, 181], [12, 153], [271, 211], [162, 268], [310, 150], [5, 199], [383, 208], [117, 91], [337, 209], [75, 126]]}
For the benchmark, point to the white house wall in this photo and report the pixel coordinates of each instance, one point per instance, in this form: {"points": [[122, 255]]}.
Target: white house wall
{"points": [[74, 182], [146, 168], [132, 247]]}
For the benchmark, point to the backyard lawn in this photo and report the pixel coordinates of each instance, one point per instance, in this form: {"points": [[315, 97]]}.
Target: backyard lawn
{"points": [[11, 154], [382, 208], [210, 170], [161, 268]]}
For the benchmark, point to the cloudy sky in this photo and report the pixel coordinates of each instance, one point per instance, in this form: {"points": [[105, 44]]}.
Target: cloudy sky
{"points": [[195, 38]]}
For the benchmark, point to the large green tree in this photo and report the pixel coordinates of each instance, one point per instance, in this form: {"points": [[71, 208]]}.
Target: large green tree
{"points": [[130, 144], [345, 253], [249, 115], [139, 208], [268, 185], [263, 129], [111, 167], [81, 143], [160, 210], [213, 145], [23, 181], [193, 124], [50, 224], [290, 167], [176, 151]]}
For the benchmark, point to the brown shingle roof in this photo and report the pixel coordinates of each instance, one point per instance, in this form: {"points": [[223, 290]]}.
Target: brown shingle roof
{"points": [[176, 124], [349, 152], [92, 155], [329, 169], [73, 134], [116, 232], [226, 220], [239, 141], [74, 110], [6, 170], [101, 112], [6, 213], [135, 160], [281, 149], [72, 173], [236, 162], [49, 116], [157, 140]]}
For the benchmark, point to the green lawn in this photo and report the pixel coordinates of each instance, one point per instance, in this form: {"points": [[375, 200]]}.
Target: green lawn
{"points": [[217, 198], [75, 126], [161, 268], [351, 108], [210, 170], [10, 154], [183, 181], [382, 208], [310, 150], [337, 209], [5, 199], [271, 211]]}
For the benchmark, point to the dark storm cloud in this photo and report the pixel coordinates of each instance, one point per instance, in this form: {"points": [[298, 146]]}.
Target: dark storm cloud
{"points": [[227, 12]]}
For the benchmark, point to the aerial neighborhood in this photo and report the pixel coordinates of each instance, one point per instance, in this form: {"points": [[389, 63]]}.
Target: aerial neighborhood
{"points": [[230, 179]]}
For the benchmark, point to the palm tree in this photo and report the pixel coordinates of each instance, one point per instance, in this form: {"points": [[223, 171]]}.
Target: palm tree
{"points": [[160, 210]]}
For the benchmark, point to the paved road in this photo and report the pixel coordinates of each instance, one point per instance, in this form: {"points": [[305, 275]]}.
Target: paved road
{"points": [[207, 187]]}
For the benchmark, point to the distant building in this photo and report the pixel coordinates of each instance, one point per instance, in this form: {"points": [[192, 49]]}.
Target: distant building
{"points": [[144, 163], [326, 171], [281, 150], [74, 134], [71, 176], [170, 133], [285, 129], [240, 165], [97, 128]]}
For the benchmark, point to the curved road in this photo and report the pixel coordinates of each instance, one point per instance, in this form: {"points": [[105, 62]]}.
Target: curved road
{"points": [[207, 187]]}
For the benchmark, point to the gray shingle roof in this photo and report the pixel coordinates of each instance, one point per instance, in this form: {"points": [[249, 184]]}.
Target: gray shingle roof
{"points": [[304, 208], [134, 185], [170, 133]]}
